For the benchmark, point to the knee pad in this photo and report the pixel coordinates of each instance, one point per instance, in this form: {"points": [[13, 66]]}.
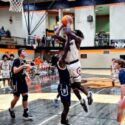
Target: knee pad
{"points": [[25, 97]]}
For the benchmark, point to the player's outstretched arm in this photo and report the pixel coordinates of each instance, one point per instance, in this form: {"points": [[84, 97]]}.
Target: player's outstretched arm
{"points": [[57, 34]]}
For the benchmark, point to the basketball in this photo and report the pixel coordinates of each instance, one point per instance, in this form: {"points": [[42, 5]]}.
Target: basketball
{"points": [[67, 19]]}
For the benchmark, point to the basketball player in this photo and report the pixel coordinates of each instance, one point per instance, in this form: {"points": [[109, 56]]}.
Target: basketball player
{"points": [[5, 70], [114, 72], [119, 64], [64, 90], [71, 57], [20, 85]]}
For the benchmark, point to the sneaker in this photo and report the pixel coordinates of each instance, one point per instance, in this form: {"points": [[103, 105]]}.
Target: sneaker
{"points": [[27, 115], [65, 122], [83, 104], [12, 113], [90, 99], [56, 102]]}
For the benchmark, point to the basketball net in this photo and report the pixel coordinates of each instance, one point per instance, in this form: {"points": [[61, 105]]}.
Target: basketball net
{"points": [[15, 5]]}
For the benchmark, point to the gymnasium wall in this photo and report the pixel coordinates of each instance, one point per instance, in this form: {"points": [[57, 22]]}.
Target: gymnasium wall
{"points": [[117, 21], [35, 17], [99, 58], [102, 23], [16, 27], [88, 28], [30, 53]]}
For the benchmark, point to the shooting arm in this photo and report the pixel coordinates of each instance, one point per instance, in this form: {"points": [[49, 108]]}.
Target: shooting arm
{"points": [[57, 36], [60, 38], [66, 48]]}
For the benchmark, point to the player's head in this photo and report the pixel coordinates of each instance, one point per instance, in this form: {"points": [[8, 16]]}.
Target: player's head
{"points": [[22, 52], [119, 63], [79, 33], [4, 57], [113, 60], [12, 56]]}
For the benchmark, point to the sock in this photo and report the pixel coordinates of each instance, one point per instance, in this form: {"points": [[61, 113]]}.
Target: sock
{"points": [[89, 94], [25, 110]]}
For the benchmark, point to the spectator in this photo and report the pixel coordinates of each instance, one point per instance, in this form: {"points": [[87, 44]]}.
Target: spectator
{"points": [[8, 34], [20, 85], [43, 41], [48, 40], [2, 31], [38, 61], [5, 69], [53, 41]]}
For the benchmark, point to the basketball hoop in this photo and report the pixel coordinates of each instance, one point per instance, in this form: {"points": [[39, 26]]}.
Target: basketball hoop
{"points": [[15, 5]]}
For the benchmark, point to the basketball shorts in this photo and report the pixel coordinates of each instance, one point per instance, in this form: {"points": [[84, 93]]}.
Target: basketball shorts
{"points": [[5, 74], [19, 87], [74, 71], [64, 91]]}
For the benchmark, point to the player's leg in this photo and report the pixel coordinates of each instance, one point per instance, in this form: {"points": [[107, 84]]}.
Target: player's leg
{"points": [[24, 91], [78, 95], [85, 91], [75, 78], [12, 105], [16, 95], [113, 80], [64, 114], [65, 95], [56, 101], [121, 107]]}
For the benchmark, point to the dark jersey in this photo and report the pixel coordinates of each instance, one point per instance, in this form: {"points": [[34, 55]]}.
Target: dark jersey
{"points": [[63, 75], [17, 63], [122, 76]]}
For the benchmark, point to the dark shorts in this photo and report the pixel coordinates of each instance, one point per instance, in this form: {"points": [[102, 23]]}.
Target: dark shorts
{"points": [[75, 85], [64, 91], [19, 87]]}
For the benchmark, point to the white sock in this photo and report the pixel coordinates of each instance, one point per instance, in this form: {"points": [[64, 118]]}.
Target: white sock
{"points": [[89, 94]]}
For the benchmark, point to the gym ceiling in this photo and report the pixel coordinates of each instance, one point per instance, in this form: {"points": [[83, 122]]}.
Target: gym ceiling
{"points": [[57, 4]]}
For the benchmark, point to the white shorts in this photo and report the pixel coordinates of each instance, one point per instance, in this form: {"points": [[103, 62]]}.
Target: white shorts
{"points": [[74, 72], [5, 74]]}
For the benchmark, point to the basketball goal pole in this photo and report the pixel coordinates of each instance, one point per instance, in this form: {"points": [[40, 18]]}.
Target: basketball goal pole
{"points": [[28, 21]]}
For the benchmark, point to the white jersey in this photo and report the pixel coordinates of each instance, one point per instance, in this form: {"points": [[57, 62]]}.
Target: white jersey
{"points": [[5, 69], [73, 52], [5, 65], [74, 68], [115, 72]]}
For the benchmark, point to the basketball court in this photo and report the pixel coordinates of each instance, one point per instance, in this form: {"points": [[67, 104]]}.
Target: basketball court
{"points": [[102, 24], [102, 111]]}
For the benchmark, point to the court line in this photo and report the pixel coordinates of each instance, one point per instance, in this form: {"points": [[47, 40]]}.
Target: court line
{"points": [[54, 116]]}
